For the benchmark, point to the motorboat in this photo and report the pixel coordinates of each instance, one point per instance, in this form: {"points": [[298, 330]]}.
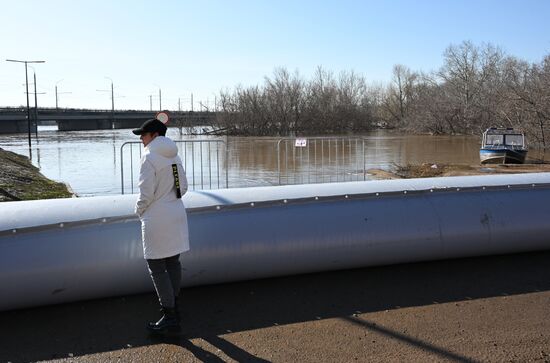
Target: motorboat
{"points": [[503, 146]]}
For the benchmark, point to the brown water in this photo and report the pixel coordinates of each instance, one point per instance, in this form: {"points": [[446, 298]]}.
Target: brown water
{"points": [[90, 160]]}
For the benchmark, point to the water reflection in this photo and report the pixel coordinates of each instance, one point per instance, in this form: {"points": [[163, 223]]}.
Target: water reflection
{"points": [[90, 161]]}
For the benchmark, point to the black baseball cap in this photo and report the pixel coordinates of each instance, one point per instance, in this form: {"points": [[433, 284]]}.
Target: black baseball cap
{"points": [[153, 125]]}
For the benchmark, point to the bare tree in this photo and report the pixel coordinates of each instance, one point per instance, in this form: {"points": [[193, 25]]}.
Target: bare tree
{"points": [[477, 87], [528, 95], [467, 72], [400, 95]]}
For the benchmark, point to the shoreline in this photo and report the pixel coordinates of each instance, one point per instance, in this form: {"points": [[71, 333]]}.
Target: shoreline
{"points": [[429, 170], [20, 180]]}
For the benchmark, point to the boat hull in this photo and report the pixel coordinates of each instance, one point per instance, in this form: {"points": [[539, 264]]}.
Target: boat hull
{"points": [[502, 156]]}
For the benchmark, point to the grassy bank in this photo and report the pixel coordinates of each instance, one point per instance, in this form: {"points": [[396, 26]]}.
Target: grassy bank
{"points": [[20, 180], [428, 170]]}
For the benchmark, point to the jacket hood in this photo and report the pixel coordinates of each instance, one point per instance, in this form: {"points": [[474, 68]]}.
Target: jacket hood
{"points": [[163, 146]]}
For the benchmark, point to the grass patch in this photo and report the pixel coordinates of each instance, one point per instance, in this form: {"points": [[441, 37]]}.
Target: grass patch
{"points": [[20, 180]]}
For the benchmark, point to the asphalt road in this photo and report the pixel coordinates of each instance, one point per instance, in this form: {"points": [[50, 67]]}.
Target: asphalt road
{"points": [[475, 309]]}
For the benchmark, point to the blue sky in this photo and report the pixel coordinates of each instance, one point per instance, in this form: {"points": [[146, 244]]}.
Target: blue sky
{"points": [[200, 47]]}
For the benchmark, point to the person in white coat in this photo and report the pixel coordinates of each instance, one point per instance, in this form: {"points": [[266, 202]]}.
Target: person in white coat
{"points": [[165, 236]]}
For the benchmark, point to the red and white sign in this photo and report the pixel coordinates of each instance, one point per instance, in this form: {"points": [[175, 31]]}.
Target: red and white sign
{"points": [[163, 116]]}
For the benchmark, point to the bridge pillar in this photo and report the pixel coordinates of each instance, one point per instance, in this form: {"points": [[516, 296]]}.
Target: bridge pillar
{"points": [[15, 126]]}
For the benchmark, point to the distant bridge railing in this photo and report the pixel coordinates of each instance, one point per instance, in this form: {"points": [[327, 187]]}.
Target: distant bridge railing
{"points": [[205, 163]]}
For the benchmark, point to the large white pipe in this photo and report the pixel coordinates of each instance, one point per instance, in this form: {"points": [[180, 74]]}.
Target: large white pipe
{"points": [[62, 250]]}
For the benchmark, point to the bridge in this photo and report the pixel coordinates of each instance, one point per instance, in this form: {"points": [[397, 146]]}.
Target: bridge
{"points": [[14, 120]]}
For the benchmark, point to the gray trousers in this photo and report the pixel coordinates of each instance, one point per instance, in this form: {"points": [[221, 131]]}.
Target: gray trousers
{"points": [[166, 275]]}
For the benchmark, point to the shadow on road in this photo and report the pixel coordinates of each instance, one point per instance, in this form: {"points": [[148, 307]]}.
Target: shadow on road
{"points": [[211, 311]]}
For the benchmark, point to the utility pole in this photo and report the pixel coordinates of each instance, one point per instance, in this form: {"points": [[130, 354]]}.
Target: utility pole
{"points": [[112, 94], [150, 102], [35, 108], [179, 104], [56, 104], [27, 92], [112, 97], [112, 101], [56, 93], [191, 102], [112, 104], [35, 115], [160, 100]]}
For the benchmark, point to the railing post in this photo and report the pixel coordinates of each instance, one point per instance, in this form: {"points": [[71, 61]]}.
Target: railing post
{"points": [[279, 159], [227, 164], [364, 162], [122, 168], [132, 167]]}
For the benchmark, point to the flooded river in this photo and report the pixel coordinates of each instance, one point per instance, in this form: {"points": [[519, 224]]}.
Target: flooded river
{"points": [[90, 161]]}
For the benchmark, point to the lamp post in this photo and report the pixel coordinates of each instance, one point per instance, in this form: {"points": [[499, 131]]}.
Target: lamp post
{"points": [[112, 94], [112, 101], [58, 93], [35, 103], [160, 100], [160, 96], [56, 104], [27, 92]]}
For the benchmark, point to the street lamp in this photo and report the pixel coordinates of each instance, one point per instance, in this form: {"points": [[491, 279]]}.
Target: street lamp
{"points": [[56, 104], [27, 88], [35, 102], [112, 94], [160, 97], [58, 93]]}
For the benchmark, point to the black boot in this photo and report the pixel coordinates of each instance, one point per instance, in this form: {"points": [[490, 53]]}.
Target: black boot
{"points": [[169, 323]]}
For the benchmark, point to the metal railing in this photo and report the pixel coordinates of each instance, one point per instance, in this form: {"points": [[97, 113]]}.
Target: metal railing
{"points": [[205, 163], [320, 160]]}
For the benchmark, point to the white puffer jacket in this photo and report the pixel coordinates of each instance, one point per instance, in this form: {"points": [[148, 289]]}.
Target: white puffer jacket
{"points": [[163, 218]]}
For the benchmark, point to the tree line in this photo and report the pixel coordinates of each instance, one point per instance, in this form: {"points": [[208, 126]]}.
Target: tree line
{"points": [[478, 86]]}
